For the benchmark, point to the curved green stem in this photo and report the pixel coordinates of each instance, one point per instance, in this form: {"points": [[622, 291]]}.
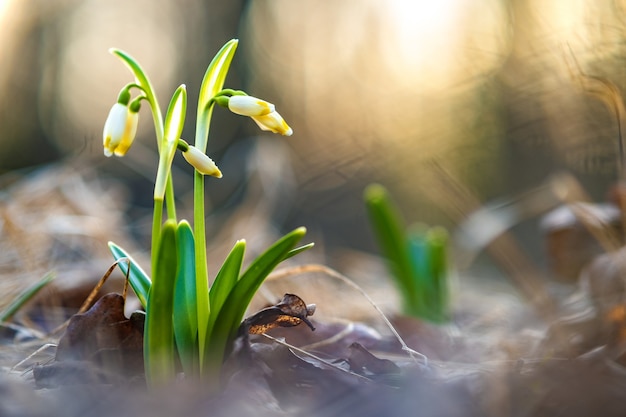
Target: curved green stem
{"points": [[157, 215], [202, 273], [169, 198], [157, 117], [212, 83]]}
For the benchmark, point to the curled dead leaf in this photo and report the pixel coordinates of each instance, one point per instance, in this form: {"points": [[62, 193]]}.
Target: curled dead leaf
{"points": [[289, 312], [102, 338], [363, 362]]}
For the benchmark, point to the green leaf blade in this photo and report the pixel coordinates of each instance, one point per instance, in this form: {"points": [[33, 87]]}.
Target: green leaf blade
{"points": [[389, 231], [298, 250], [225, 281], [438, 255], [212, 83], [25, 296], [230, 316], [174, 122], [185, 315], [158, 331], [138, 279]]}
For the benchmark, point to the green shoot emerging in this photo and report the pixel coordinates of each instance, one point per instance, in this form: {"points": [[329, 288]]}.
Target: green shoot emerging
{"points": [[417, 257], [24, 296]]}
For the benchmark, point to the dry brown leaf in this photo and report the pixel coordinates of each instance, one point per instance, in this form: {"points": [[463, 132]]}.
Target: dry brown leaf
{"points": [[363, 362], [102, 339], [289, 312]]}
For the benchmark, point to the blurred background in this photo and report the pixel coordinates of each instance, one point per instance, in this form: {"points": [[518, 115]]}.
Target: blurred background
{"points": [[395, 92]]}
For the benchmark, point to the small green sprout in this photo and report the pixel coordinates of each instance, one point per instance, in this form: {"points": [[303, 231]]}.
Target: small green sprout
{"points": [[24, 297], [186, 321], [417, 257]]}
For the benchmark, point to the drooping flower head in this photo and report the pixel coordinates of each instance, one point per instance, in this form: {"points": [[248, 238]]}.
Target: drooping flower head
{"points": [[273, 122], [249, 106], [120, 127], [261, 111], [199, 160]]}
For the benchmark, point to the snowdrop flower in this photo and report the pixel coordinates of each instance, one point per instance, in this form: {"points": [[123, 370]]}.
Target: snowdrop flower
{"points": [[119, 130], [273, 122], [249, 106], [261, 111], [198, 159]]}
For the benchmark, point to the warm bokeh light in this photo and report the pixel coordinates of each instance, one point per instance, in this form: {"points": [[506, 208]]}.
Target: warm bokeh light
{"points": [[4, 7], [375, 91], [87, 74], [427, 44], [379, 88]]}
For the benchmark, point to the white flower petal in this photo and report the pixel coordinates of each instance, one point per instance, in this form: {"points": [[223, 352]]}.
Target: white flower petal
{"points": [[249, 106], [119, 131], [273, 122], [202, 163]]}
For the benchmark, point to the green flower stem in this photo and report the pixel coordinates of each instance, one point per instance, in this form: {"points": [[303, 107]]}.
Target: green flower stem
{"points": [[212, 83], [174, 121], [173, 128], [144, 82], [202, 273], [146, 86], [157, 215], [169, 188], [169, 198]]}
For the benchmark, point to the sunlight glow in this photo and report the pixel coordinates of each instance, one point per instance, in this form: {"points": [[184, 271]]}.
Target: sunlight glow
{"points": [[4, 6], [431, 40]]}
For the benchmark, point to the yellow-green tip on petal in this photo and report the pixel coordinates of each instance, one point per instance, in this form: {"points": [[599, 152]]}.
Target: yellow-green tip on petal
{"points": [[202, 163], [273, 122], [249, 106], [119, 131]]}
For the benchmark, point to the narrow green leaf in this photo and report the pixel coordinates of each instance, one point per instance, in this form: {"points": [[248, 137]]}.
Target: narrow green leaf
{"points": [[158, 331], [24, 296], [437, 239], [231, 314], [298, 250], [422, 278], [174, 122], [263, 265], [212, 83], [185, 302], [175, 116], [138, 279], [389, 230], [225, 280]]}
